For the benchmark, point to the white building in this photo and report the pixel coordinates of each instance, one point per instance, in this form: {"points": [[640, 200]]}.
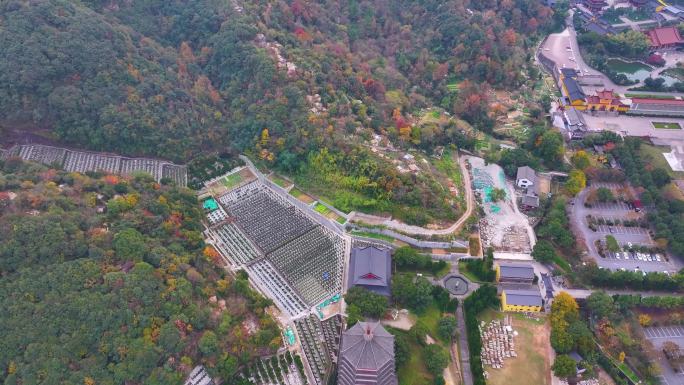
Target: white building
{"points": [[526, 177]]}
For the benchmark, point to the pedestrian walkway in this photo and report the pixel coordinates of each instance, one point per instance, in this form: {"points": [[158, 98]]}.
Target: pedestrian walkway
{"points": [[463, 347]]}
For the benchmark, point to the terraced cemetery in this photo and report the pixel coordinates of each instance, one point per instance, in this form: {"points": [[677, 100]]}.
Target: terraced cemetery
{"points": [[84, 161], [295, 258]]}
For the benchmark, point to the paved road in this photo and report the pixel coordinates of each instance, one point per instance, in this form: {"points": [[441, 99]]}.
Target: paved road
{"points": [[417, 230], [564, 50]]}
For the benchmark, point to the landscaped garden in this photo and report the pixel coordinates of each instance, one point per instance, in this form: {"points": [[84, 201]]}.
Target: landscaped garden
{"points": [[667, 125]]}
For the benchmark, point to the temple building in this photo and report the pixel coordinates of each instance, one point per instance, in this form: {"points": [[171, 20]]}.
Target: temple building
{"points": [[371, 268], [665, 38], [595, 6], [366, 356], [605, 100]]}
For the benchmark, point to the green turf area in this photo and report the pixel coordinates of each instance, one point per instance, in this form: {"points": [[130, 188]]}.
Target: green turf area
{"points": [[463, 269], [448, 165], [231, 180], [295, 192], [628, 372], [667, 125], [279, 181], [453, 87], [612, 244], [341, 220], [321, 209], [653, 155], [430, 318], [414, 372], [650, 96], [677, 72], [367, 234]]}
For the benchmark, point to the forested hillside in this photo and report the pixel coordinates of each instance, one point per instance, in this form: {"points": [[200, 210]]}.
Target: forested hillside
{"points": [[128, 295], [280, 79]]}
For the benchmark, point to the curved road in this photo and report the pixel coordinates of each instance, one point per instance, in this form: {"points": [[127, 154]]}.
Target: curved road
{"points": [[563, 49], [417, 230]]}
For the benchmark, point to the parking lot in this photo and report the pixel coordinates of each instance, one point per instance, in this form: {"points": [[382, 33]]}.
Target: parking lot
{"points": [[611, 206], [621, 230], [624, 235], [664, 332], [636, 256], [658, 336]]}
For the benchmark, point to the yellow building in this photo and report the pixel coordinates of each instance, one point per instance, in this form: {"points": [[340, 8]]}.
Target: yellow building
{"points": [[521, 301], [605, 100]]}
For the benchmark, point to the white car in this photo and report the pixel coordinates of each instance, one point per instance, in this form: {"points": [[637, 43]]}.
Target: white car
{"points": [[658, 258]]}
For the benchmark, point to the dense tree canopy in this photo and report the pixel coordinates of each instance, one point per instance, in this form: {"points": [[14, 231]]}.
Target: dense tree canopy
{"points": [[130, 295]]}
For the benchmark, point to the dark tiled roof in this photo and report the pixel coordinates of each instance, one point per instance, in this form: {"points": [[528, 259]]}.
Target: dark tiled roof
{"points": [[523, 297], [530, 200], [526, 172], [370, 266], [368, 346], [518, 271], [574, 90], [548, 285], [568, 72]]}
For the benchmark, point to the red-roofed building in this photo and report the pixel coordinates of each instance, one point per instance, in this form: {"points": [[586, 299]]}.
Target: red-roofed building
{"points": [[605, 100], [664, 102], [664, 38]]}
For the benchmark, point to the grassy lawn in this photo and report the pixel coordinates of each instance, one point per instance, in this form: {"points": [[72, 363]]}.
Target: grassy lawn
{"points": [[612, 243], [677, 72], [368, 234], [667, 126], [654, 156], [532, 365], [628, 372], [321, 209], [231, 180], [463, 269], [279, 181], [430, 318], [442, 273], [649, 96], [302, 196], [448, 166], [414, 372]]}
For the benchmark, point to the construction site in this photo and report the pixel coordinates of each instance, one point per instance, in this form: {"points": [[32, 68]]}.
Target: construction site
{"points": [[503, 227]]}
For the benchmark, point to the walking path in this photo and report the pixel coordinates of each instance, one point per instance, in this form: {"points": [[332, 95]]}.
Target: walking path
{"points": [[464, 351], [417, 230]]}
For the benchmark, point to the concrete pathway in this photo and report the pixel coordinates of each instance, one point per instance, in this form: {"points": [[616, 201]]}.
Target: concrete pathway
{"points": [[464, 351]]}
